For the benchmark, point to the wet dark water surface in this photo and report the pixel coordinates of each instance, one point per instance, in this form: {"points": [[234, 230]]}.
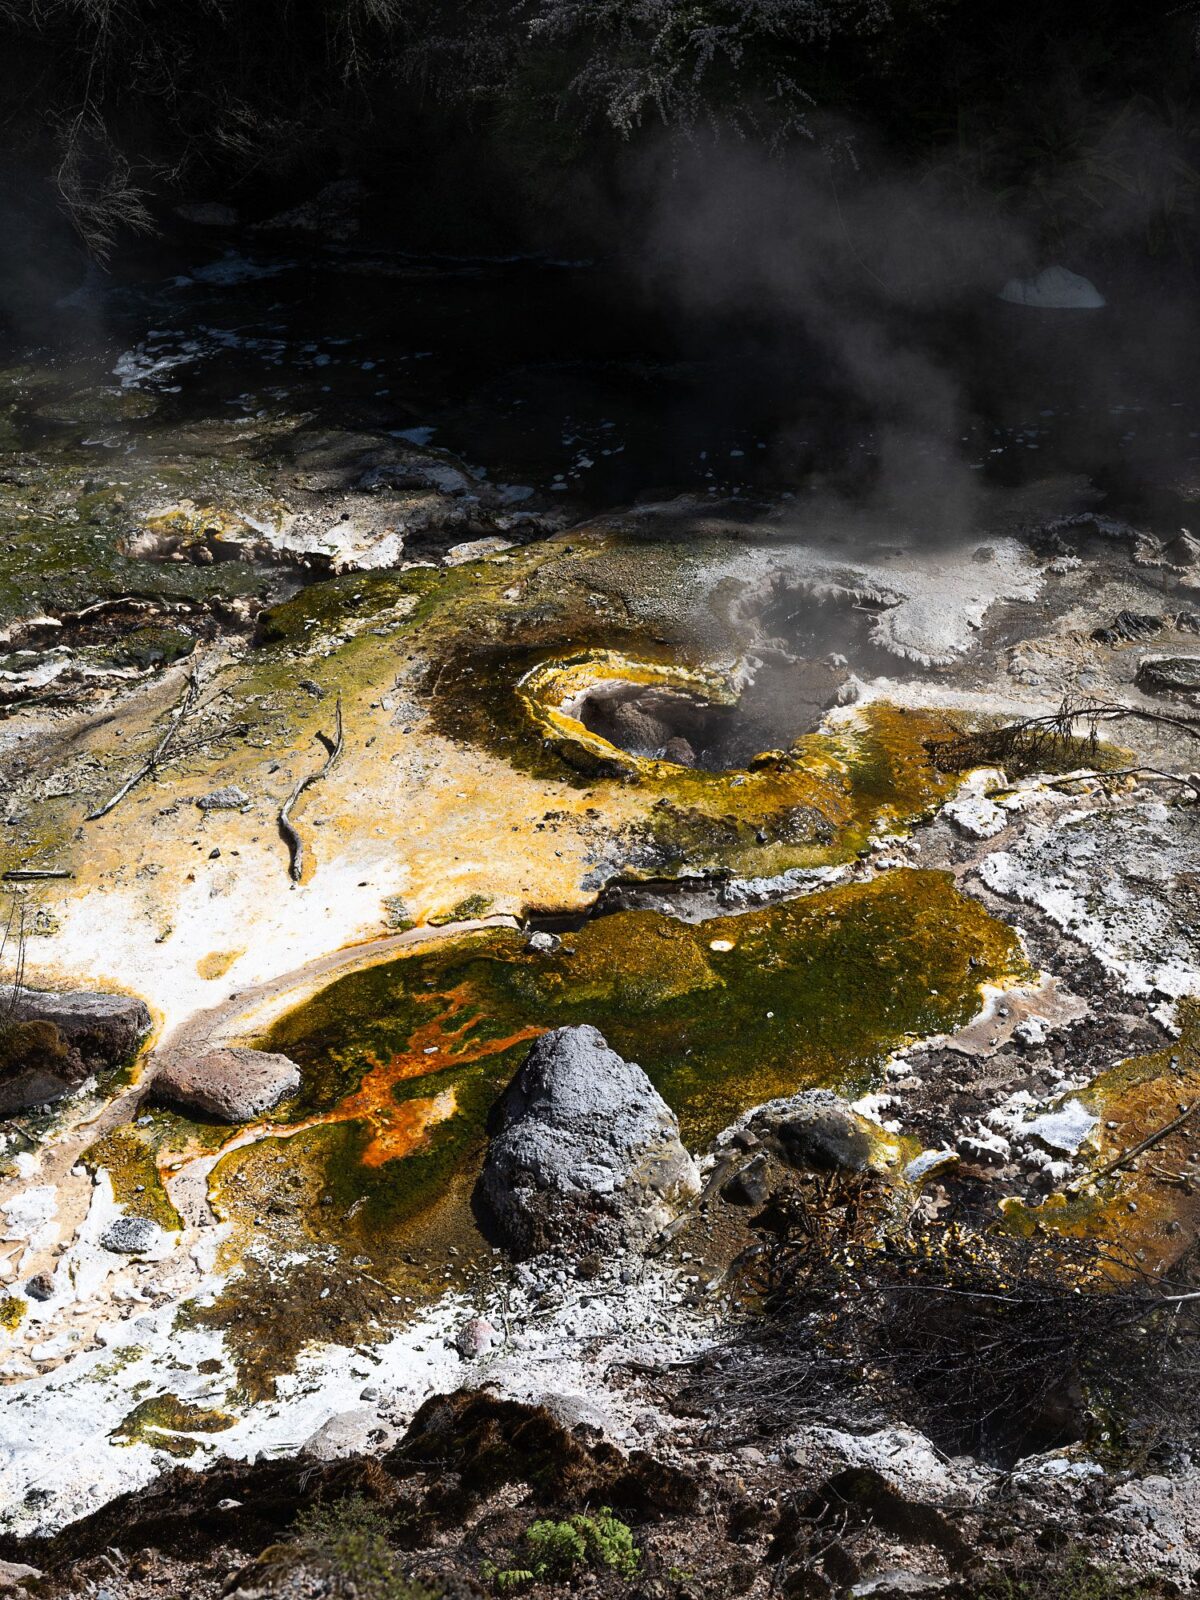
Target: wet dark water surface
{"points": [[555, 375]]}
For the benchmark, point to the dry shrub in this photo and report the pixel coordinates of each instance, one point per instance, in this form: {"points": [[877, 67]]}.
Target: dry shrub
{"points": [[995, 1344]]}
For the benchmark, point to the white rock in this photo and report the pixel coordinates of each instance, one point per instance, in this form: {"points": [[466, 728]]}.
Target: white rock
{"points": [[475, 550], [346, 1434], [1062, 1130], [928, 1161], [1054, 289]]}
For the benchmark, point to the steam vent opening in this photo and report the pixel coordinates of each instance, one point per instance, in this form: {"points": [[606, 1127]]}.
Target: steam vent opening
{"points": [[803, 664], [787, 698]]}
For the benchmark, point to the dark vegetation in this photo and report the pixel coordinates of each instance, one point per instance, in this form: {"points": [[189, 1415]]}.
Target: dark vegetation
{"points": [[24, 1043], [1081, 119], [1057, 741], [996, 1342]]}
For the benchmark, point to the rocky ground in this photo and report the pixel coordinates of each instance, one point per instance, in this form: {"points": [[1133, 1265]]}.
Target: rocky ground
{"points": [[509, 1014]]}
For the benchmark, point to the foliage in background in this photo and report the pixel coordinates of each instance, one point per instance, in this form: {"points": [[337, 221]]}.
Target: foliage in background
{"points": [[1081, 116]]}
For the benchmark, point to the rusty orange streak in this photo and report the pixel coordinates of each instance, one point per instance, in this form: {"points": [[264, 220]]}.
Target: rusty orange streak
{"points": [[396, 1128], [432, 1047]]}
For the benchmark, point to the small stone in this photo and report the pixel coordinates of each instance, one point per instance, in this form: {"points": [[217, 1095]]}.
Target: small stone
{"points": [[131, 1236], [543, 943], [230, 798], [40, 1287], [475, 1338]]}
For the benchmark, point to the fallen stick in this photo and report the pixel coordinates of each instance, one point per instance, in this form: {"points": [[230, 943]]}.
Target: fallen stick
{"points": [[28, 874], [1147, 1143], [1124, 772], [187, 702], [287, 828]]}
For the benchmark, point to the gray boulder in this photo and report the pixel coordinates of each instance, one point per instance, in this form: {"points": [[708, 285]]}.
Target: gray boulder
{"points": [[584, 1155], [230, 1085], [131, 1236]]}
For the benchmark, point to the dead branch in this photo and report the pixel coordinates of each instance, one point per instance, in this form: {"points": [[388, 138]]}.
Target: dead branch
{"points": [[1034, 738], [1147, 1143], [1097, 776], [187, 704], [286, 827]]}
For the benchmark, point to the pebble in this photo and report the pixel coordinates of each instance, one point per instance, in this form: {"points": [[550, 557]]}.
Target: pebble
{"points": [[475, 1338]]}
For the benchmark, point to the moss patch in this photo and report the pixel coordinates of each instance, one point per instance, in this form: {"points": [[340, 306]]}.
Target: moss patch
{"points": [[166, 1422], [12, 1312]]}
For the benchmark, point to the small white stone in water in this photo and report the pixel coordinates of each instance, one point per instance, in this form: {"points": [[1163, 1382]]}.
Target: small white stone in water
{"points": [[720, 945]]}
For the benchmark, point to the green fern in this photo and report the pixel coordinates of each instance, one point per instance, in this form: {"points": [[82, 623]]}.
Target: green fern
{"points": [[558, 1550]]}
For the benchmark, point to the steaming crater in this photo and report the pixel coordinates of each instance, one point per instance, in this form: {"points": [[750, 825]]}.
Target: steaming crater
{"points": [[720, 718], [785, 699]]}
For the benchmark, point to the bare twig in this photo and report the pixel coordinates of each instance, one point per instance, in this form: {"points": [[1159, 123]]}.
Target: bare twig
{"points": [[1032, 738], [294, 842], [1125, 772], [1147, 1143], [187, 704]]}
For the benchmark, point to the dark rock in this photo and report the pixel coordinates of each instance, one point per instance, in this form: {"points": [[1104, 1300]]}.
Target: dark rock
{"points": [[40, 1287], [584, 1155], [231, 1085], [50, 1042], [818, 1129], [1170, 675], [749, 1186], [679, 751], [1129, 626], [26, 1087], [1188, 622], [103, 1028], [636, 729]]}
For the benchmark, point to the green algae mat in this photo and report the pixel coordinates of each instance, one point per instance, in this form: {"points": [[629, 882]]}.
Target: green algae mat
{"points": [[404, 1060]]}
